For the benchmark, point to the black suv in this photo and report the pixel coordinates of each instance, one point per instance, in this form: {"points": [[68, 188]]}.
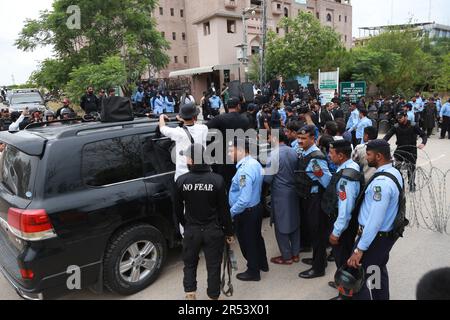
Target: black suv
{"points": [[91, 197]]}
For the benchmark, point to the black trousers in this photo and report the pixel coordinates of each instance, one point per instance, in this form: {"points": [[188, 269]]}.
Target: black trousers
{"points": [[445, 126], [305, 236], [343, 251], [211, 240], [376, 257], [408, 155], [319, 228], [248, 230]]}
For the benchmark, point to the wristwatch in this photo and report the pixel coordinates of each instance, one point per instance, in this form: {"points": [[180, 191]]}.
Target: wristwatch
{"points": [[357, 251]]}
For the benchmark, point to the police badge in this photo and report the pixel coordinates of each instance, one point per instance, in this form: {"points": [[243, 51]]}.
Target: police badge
{"points": [[242, 181], [377, 194]]}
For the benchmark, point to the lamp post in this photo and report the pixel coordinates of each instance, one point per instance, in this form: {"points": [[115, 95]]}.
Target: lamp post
{"points": [[243, 57]]}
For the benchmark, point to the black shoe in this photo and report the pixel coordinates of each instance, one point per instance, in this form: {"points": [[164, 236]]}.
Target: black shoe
{"points": [[308, 261], [246, 276], [311, 274], [332, 284], [331, 258], [305, 250], [265, 269]]}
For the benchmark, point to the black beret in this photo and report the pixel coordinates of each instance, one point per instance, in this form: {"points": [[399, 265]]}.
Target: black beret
{"points": [[311, 130], [340, 144], [379, 144]]}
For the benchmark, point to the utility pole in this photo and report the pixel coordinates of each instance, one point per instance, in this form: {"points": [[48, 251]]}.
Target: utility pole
{"points": [[262, 74], [245, 45]]}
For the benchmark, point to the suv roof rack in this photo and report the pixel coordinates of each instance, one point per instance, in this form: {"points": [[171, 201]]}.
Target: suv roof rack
{"points": [[77, 128]]}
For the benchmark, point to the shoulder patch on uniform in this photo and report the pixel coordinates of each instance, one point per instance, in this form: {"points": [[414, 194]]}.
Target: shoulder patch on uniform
{"points": [[243, 181], [317, 169], [342, 193], [377, 196]]}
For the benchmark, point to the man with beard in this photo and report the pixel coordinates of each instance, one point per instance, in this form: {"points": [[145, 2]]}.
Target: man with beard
{"points": [[407, 145]]}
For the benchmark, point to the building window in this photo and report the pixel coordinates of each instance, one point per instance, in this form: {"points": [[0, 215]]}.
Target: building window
{"points": [[175, 59], [318, 15], [183, 36], [278, 6], [346, 38], [174, 36], [255, 50], [172, 12], [185, 59], [231, 26], [206, 29], [340, 18], [163, 34], [278, 30], [329, 17], [286, 12], [345, 19], [161, 11], [182, 13]]}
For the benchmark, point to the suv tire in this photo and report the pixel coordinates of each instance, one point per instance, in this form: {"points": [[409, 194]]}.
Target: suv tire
{"points": [[133, 260]]}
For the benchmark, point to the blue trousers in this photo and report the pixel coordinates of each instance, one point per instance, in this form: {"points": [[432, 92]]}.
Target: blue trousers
{"points": [[248, 230], [376, 256]]}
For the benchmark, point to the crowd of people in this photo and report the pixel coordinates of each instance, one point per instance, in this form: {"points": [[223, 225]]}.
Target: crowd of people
{"points": [[337, 185]]}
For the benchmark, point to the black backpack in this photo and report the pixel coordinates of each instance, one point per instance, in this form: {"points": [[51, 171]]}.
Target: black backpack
{"points": [[400, 222], [116, 109]]}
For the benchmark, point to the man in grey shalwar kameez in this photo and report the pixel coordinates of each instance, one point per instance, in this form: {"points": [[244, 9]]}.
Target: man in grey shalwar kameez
{"points": [[285, 202]]}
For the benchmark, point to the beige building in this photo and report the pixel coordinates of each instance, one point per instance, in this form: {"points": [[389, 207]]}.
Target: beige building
{"points": [[204, 34]]}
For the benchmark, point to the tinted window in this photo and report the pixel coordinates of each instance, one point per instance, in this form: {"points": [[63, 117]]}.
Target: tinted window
{"points": [[17, 171], [157, 157], [26, 98], [112, 161]]}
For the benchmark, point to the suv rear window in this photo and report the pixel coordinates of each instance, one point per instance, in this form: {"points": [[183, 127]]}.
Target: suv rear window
{"points": [[24, 98], [112, 161], [17, 172]]}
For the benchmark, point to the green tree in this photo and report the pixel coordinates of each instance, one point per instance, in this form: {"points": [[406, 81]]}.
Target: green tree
{"points": [[110, 73], [303, 49], [121, 28]]}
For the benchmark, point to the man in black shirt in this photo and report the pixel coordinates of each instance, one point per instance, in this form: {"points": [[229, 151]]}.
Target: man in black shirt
{"points": [[406, 152], [228, 121], [206, 221], [89, 102]]}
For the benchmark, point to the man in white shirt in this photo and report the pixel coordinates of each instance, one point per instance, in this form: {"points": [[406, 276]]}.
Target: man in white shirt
{"points": [[185, 135]]}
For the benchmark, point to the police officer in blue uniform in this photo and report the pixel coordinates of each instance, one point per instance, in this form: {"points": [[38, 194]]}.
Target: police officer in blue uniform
{"points": [[246, 209], [378, 219], [339, 201], [312, 178]]}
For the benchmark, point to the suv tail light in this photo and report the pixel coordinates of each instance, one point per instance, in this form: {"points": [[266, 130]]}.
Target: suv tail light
{"points": [[31, 225]]}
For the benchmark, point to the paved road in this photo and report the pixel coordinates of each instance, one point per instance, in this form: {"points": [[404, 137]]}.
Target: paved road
{"points": [[419, 252]]}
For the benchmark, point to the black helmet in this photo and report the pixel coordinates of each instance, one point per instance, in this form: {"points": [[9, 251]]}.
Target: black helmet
{"points": [[349, 281], [49, 113]]}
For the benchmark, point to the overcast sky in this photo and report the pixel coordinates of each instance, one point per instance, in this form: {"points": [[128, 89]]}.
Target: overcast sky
{"points": [[13, 13]]}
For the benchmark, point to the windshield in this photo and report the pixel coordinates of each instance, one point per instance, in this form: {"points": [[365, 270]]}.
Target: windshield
{"points": [[17, 171], [26, 98]]}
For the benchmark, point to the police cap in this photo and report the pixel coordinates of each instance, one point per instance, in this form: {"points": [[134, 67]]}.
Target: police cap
{"points": [[310, 130], [401, 114]]}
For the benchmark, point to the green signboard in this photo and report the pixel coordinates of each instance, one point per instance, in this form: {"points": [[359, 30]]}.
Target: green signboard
{"points": [[354, 90]]}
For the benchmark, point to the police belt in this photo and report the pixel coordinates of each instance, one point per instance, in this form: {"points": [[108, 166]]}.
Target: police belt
{"points": [[379, 234], [258, 206]]}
